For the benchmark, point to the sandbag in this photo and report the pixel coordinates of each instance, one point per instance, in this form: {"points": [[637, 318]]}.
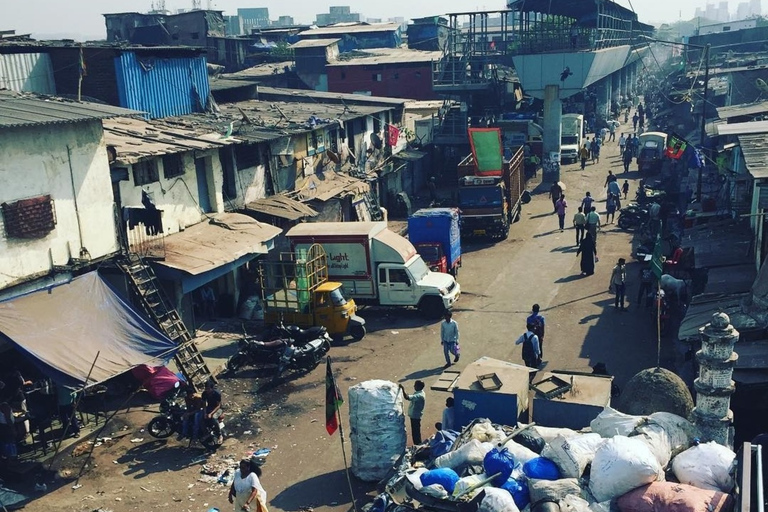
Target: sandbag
{"points": [[434, 490], [497, 500], [674, 497], [530, 439], [572, 455], [446, 477], [706, 466], [541, 469], [499, 461], [467, 482], [552, 490], [485, 432], [549, 433], [472, 452], [657, 441], [620, 465], [611, 423], [519, 491], [521, 453], [377, 428]]}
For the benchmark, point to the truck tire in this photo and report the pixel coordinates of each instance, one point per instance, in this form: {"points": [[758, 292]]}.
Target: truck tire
{"points": [[357, 332], [432, 307]]}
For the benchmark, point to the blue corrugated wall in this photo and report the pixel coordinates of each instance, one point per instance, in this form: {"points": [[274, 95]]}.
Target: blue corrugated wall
{"points": [[162, 86]]}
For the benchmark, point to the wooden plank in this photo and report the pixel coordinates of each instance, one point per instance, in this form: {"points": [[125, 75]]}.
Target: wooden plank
{"points": [[446, 380]]}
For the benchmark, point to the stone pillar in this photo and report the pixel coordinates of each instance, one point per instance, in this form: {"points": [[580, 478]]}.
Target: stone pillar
{"points": [[714, 387], [553, 113], [603, 104]]}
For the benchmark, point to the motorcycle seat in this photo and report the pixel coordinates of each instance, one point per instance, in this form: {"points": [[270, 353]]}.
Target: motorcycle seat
{"points": [[309, 333], [270, 344]]}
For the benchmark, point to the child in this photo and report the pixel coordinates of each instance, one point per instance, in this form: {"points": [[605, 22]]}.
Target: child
{"points": [[625, 188]]}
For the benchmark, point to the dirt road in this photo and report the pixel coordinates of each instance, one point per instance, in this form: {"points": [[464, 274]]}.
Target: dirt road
{"points": [[500, 282]]}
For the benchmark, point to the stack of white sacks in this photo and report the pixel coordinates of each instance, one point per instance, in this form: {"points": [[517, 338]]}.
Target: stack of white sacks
{"points": [[626, 463]]}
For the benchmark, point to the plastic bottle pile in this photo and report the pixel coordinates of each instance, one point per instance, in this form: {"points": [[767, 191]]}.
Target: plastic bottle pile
{"points": [[626, 463]]}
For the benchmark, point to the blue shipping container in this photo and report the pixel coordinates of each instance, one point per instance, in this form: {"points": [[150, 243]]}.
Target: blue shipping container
{"points": [[437, 225], [162, 86]]}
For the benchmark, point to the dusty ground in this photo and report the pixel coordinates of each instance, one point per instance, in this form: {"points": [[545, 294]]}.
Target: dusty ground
{"points": [[305, 468]]}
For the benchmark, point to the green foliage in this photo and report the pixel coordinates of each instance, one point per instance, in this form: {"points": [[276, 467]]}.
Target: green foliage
{"points": [[283, 49]]}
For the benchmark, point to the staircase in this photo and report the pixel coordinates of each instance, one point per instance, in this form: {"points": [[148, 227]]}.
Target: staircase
{"points": [[156, 304]]}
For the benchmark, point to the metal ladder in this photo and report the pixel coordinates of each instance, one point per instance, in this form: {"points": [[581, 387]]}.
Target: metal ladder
{"points": [[372, 204], [156, 304]]}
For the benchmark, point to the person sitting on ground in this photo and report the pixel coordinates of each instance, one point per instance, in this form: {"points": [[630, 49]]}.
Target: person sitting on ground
{"points": [[449, 419]]}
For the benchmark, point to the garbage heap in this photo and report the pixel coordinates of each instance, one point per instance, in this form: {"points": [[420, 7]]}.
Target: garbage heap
{"points": [[622, 462]]}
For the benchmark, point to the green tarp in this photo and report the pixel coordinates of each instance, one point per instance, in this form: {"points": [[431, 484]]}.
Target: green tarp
{"points": [[487, 150]]}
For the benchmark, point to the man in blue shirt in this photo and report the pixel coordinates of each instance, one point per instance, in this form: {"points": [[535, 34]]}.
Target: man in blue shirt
{"points": [[531, 348], [415, 409], [449, 338], [537, 321]]}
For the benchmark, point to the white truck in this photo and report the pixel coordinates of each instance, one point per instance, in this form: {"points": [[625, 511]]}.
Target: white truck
{"points": [[572, 133], [377, 266]]}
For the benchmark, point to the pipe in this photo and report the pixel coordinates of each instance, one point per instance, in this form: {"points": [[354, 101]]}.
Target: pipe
{"points": [[83, 250], [759, 477]]}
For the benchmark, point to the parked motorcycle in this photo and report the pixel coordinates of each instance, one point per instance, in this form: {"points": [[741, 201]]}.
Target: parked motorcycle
{"points": [[282, 353], [171, 420], [633, 216]]}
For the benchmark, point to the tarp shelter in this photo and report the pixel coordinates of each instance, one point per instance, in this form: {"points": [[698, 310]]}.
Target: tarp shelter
{"points": [[63, 328]]}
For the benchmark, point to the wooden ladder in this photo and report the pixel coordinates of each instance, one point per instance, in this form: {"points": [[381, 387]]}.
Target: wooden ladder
{"points": [[372, 204], [156, 304]]}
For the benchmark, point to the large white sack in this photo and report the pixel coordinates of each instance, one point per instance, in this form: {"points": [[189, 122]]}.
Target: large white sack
{"points": [[549, 433], [497, 500], [520, 452], [552, 490], [665, 434], [485, 432], [472, 452], [573, 503], [706, 466], [468, 482], [572, 455], [611, 422], [657, 441], [620, 465], [377, 428]]}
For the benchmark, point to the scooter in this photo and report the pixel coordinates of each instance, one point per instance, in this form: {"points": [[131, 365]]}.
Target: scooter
{"points": [[171, 421], [633, 216]]}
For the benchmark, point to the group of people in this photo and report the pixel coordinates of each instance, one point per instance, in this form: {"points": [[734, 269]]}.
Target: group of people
{"points": [[201, 407]]}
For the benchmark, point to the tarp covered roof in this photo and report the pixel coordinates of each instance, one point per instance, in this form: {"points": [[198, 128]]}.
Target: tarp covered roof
{"points": [[63, 328]]}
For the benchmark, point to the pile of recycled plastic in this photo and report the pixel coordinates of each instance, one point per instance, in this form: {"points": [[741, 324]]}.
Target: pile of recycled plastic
{"points": [[621, 463]]}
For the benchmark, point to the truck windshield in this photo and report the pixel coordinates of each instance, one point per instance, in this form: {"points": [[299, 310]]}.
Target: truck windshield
{"points": [[418, 269], [569, 140], [480, 197], [337, 297], [430, 252]]}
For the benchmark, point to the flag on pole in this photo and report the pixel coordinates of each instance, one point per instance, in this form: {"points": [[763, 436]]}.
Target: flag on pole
{"points": [[656, 263], [333, 400], [675, 146], [82, 69]]}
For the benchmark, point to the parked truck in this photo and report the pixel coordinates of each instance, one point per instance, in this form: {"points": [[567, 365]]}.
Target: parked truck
{"points": [[491, 188], [296, 290], [435, 234], [377, 266], [571, 137]]}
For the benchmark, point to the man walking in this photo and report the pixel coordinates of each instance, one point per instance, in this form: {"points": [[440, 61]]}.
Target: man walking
{"points": [[531, 350], [579, 222], [537, 321], [586, 203], [619, 283], [622, 144], [555, 191], [449, 337], [611, 177], [626, 157], [635, 119], [583, 155], [593, 223], [560, 207], [415, 409]]}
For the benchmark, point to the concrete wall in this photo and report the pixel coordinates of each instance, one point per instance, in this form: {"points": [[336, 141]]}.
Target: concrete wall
{"points": [[34, 161], [411, 81]]}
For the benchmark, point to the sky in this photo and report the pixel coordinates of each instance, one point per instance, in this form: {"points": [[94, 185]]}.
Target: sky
{"points": [[82, 18]]}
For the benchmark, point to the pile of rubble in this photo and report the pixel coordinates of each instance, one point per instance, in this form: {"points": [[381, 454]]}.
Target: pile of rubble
{"points": [[622, 462]]}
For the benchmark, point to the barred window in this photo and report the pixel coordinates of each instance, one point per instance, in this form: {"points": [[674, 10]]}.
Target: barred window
{"points": [[145, 172], [173, 165], [29, 218]]}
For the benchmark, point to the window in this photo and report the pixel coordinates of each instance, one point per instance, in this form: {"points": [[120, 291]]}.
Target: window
{"points": [[173, 166], [376, 77], [29, 218], [145, 171], [399, 275], [315, 142], [247, 155]]}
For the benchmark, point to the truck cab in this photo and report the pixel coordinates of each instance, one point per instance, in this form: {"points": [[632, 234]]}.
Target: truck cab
{"points": [[433, 255], [571, 136], [413, 283], [484, 206]]}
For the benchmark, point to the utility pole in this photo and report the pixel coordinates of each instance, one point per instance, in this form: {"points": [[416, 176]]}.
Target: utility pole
{"points": [[703, 132]]}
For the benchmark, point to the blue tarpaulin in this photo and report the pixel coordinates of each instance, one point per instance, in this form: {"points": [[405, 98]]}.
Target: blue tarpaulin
{"points": [[62, 328]]}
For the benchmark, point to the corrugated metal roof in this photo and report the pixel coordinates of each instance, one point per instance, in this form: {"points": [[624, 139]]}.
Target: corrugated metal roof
{"points": [[268, 69], [281, 206], [743, 128], [27, 72], [755, 151], [156, 85], [29, 110], [134, 139], [314, 43], [339, 97], [350, 29], [386, 56], [745, 109]]}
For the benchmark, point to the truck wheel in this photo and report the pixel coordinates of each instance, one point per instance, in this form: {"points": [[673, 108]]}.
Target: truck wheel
{"points": [[432, 307], [357, 332], [454, 272]]}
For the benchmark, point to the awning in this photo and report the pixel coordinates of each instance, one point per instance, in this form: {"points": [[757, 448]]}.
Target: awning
{"points": [[281, 206], [63, 328], [329, 185], [223, 239]]}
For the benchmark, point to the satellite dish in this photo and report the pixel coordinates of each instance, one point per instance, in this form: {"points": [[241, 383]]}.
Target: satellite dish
{"points": [[376, 141], [333, 157]]}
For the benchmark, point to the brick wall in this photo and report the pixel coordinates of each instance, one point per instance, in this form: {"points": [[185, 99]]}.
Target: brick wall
{"points": [[29, 218]]}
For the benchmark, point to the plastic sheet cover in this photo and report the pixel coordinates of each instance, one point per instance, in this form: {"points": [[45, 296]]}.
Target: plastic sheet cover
{"points": [[63, 328]]}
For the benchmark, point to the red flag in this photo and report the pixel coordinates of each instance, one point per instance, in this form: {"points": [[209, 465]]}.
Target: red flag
{"points": [[392, 135], [333, 400]]}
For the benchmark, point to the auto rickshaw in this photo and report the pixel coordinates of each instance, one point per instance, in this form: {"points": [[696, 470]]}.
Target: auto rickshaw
{"points": [[650, 154]]}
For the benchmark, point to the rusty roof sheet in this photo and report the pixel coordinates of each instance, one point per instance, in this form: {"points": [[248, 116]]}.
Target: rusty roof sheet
{"points": [[755, 150], [315, 43], [281, 206], [25, 109], [325, 186], [223, 239], [375, 56], [342, 29], [744, 109], [134, 139]]}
